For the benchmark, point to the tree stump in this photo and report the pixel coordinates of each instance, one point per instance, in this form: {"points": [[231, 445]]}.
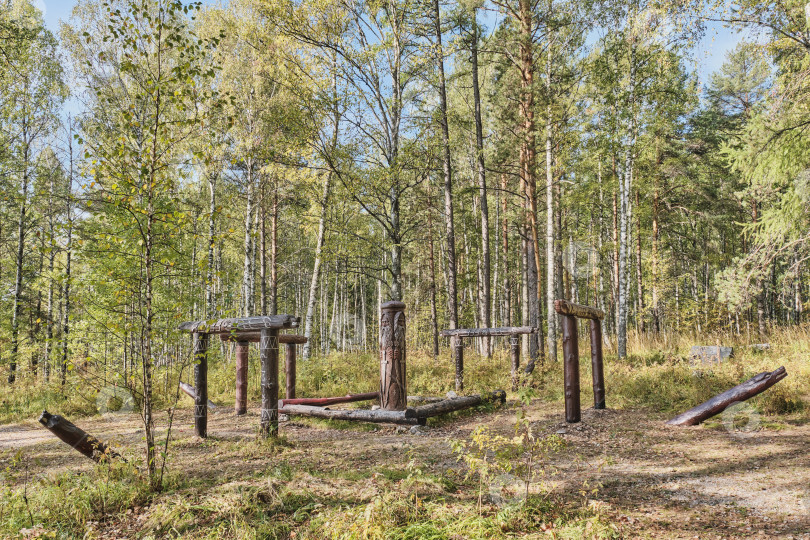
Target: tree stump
{"points": [[393, 391]]}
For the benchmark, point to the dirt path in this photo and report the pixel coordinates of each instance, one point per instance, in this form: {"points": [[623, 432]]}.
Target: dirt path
{"points": [[658, 482]]}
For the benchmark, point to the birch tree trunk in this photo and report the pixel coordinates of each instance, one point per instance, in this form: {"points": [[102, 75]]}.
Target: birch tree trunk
{"points": [[624, 216], [247, 268], [551, 316]]}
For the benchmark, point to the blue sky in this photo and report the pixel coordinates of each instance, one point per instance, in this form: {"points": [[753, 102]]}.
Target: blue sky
{"points": [[709, 53]]}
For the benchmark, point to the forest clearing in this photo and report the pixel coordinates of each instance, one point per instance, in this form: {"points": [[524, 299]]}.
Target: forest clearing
{"points": [[404, 269]]}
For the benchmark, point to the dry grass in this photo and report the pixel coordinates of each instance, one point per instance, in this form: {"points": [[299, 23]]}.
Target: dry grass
{"points": [[341, 480]]}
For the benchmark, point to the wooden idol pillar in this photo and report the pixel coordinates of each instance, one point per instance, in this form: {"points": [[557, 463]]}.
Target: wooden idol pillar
{"points": [[571, 368], [393, 391], [289, 371], [242, 353], [596, 364], [268, 348], [201, 383]]}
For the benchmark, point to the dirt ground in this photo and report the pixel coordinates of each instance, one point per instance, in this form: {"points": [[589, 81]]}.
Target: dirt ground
{"points": [[652, 480]]}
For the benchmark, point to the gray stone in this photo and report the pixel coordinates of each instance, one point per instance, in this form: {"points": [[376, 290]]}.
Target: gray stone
{"points": [[710, 354], [451, 395], [420, 430]]}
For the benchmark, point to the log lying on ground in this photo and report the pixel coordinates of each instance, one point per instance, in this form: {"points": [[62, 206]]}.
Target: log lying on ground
{"points": [[76, 437], [750, 388], [323, 402], [192, 393], [363, 415], [453, 404], [425, 399]]}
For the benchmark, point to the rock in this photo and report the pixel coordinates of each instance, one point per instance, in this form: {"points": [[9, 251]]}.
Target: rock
{"points": [[283, 418], [760, 346], [710, 354], [419, 430], [451, 395], [562, 431], [375, 407], [401, 429]]}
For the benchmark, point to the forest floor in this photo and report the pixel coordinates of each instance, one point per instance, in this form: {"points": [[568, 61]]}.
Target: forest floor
{"points": [[639, 477]]}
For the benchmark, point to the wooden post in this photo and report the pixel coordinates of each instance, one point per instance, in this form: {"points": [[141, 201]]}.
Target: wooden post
{"points": [[242, 353], [514, 342], [393, 390], [201, 384], [597, 365], [289, 371], [458, 358], [571, 368], [268, 348]]}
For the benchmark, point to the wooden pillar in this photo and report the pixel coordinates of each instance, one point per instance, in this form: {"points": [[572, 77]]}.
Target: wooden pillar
{"points": [[458, 359], [201, 384], [289, 371], [514, 342], [393, 388], [596, 364], [268, 349], [242, 352], [571, 368]]}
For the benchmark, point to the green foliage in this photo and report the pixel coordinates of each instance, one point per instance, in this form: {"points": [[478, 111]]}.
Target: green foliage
{"points": [[69, 503]]}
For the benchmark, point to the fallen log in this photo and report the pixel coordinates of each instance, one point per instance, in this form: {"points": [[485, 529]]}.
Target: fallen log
{"points": [[323, 402], [453, 404], [750, 388], [191, 392], [379, 416], [77, 438], [425, 399]]}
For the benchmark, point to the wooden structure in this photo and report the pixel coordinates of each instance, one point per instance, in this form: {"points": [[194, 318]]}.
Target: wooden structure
{"points": [[267, 327], [243, 339], [750, 388], [407, 416], [514, 333], [393, 385], [569, 313], [323, 402], [77, 438]]}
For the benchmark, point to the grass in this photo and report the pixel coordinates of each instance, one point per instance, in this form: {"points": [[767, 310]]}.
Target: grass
{"points": [[294, 495]]}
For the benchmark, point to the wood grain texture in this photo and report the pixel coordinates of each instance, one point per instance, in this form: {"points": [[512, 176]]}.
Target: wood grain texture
{"points": [[750, 388]]}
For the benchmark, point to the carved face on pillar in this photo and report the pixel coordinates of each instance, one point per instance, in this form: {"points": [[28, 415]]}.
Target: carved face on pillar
{"points": [[393, 388]]}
